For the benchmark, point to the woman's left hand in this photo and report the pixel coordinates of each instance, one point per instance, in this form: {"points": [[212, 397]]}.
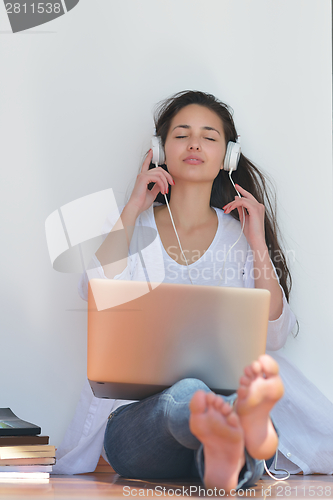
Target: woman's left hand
{"points": [[254, 227]]}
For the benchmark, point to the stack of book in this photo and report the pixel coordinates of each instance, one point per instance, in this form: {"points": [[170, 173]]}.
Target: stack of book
{"points": [[24, 453]]}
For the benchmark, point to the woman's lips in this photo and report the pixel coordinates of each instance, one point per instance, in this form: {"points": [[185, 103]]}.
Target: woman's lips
{"points": [[193, 160]]}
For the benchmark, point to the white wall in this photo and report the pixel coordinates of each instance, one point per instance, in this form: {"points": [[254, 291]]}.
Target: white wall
{"points": [[77, 96]]}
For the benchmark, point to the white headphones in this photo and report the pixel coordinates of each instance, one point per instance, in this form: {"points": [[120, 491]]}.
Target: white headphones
{"points": [[232, 156], [158, 151], [230, 161]]}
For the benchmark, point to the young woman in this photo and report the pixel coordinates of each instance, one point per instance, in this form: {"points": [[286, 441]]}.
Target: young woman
{"points": [[164, 435], [188, 431]]}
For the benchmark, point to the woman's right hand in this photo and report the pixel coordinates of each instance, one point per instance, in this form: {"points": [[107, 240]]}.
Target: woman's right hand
{"points": [[141, 197]]}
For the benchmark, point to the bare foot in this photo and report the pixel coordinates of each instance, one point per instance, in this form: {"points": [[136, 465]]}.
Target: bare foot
{"points": [[218, 428], [260, 388]]}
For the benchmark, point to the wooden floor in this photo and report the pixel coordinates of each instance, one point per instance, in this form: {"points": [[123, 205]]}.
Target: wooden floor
{"points": [[110, 485]]}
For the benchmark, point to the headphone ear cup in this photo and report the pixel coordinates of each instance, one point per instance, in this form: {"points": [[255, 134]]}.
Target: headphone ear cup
{"points": [[232, 155], [158, 151]]}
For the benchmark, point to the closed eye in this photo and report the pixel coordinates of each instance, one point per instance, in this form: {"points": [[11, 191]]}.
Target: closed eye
{"points": [[183, 137]]}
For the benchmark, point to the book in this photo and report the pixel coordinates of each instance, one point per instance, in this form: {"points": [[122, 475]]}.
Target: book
{"points": [[22, 452], [26, 468], [23, 440], [28, 461], [11, 425], [5, 476]]}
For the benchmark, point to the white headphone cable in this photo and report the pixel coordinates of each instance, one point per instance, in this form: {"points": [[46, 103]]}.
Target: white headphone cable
{"points": [[278, 470], [242, 229], [174, 227]]}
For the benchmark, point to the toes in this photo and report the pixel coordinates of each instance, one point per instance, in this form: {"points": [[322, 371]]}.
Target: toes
{"points": [[218, 403], [202, 401], [269, 365], [245, 381], [256, 368], [242, 392], [265, 365], [210, 398], [233, 419], [198, 402], [215, 401], [249, 373], [226, 409]]}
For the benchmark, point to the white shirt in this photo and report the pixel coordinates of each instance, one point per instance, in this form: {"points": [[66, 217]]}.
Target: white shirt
{"points": [[305, 428]]}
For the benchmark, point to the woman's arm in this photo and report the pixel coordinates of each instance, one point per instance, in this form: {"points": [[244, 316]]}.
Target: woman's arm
{"points": [[279, 329], [254, 230], [265, 277], [112, 254]]}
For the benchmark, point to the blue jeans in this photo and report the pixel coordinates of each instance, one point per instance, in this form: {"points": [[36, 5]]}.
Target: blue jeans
{"points": [[152, 439]]}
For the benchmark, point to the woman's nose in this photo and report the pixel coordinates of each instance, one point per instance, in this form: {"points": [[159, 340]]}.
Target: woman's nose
{"points": [[194, 144]]}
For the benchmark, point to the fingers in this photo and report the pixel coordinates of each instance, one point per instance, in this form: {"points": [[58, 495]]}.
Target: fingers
{"points": [[249, 203], [161, 184], [237, 203], [155, 190], [241, 214], [157, 176], [244, 193], [158, 172], [142, 197], [147, 161], [247, 200]]}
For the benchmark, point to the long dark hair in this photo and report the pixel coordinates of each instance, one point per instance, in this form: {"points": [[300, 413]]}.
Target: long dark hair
{"points": [[247, 175]]}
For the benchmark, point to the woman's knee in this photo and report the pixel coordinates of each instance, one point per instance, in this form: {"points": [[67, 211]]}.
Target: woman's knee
{"points": [[187, 387]]}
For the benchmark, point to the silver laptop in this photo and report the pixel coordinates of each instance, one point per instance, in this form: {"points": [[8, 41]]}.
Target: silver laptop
{"points": [[141, 341]]}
